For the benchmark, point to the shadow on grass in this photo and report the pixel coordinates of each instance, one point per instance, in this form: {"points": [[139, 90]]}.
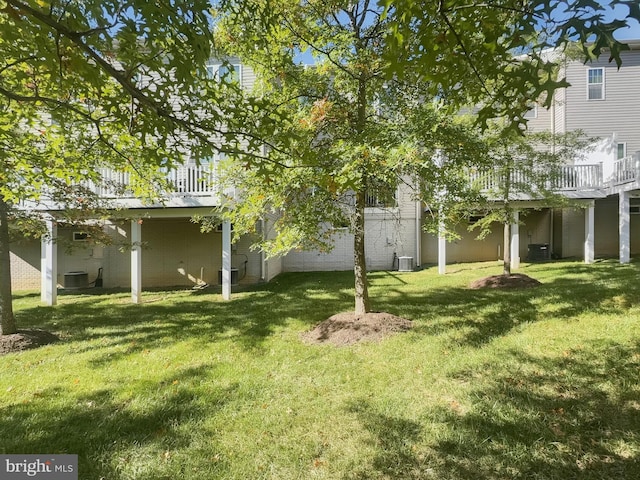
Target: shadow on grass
{"points": [[151, 427], [394, 440], [476, 317], [571, 417], [248, 318], [466, 317]]}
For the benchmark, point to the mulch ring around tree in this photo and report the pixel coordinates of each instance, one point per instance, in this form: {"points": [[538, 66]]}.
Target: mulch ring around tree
{"points": [[515, 280], [349, 328], [25, 340]]}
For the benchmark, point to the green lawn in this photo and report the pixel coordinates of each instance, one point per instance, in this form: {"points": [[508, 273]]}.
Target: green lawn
{"points": [[532, 384]]}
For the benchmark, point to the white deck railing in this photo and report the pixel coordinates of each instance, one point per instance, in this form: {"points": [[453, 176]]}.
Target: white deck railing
{"points": [[184, 180], [579, 177], [565, 178], [626, 170]]}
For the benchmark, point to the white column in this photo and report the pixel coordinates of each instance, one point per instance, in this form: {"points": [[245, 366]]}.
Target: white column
{"points": [[49, 265], [624, 222], [136, 261], [442, 251], [226, 260], [515, 241], [589, 232], [418, 234]]}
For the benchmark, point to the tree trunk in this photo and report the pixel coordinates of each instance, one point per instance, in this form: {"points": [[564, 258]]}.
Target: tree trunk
{"points": [[362, 303], [7, 320], [506, 268], [360, 265]]}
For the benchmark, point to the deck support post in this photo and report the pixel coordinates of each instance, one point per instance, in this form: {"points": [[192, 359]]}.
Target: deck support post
{"points": [[442, 250], [589, 232], [624, 228], [226, 260], [49, 264], [515, 241], [136, 261]]}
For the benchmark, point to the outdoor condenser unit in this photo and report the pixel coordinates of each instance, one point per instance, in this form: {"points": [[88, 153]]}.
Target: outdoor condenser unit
{"points": [[405, 264]]}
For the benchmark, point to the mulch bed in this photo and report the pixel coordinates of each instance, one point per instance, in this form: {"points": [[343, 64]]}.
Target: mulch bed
{"points": [[348, 328], [25, 340], [515, 280]]}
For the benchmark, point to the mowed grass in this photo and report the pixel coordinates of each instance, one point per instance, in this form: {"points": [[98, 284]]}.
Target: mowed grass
{"points": [[529, 384]]}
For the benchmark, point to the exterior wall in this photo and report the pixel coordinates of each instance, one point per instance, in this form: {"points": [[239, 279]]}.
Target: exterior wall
{"points": [[606, 227], [572, 232], [175, 253], [387, 236], [619, 112], [340, 258], [25, 265], [559, 111], [272, 266], [535, 227], [466, 248], [389, 233]]}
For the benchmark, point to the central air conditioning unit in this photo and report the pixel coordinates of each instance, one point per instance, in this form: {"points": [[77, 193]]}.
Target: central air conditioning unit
{"points": [[405, 264]]}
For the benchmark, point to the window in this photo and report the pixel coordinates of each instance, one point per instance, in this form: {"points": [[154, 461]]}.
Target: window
{"points": [[225, 72], [532, 112], [595, 84], [80, 236], [621, 150], [373, 200]]}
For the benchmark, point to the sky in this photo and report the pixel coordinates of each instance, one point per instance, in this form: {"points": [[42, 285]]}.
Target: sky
{"points": [[631, 33]]}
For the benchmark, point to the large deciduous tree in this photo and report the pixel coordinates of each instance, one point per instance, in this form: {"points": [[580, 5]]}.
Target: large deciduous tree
{"points": [[363, 116], [348, 132], [112, 84]]}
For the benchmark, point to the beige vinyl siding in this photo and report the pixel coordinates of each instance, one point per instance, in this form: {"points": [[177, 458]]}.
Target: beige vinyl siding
{"points": [[572, 228], [606, 227], [542, 122], [25, 265], [560, 115], [248, 78], [619, 112], [535, 228]]}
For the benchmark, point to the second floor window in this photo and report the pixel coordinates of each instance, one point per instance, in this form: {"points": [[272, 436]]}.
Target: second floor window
{"points": [[224, 72], [595, 84]]}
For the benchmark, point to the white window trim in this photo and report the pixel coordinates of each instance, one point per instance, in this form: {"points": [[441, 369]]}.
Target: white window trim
{"points": [[624, 146], [604, 81]]}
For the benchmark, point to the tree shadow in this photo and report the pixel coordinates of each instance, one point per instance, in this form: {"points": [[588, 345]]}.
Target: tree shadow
{"points": [[249, 319], [575, 416], [476, 317], [393, 439], [116, 430]]}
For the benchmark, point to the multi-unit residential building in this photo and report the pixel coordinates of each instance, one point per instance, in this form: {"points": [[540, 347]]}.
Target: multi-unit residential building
{"points": [[602, 101], [170, 250]]}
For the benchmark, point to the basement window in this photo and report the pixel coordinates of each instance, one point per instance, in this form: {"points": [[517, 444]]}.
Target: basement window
{"points": [[80, 236]]}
